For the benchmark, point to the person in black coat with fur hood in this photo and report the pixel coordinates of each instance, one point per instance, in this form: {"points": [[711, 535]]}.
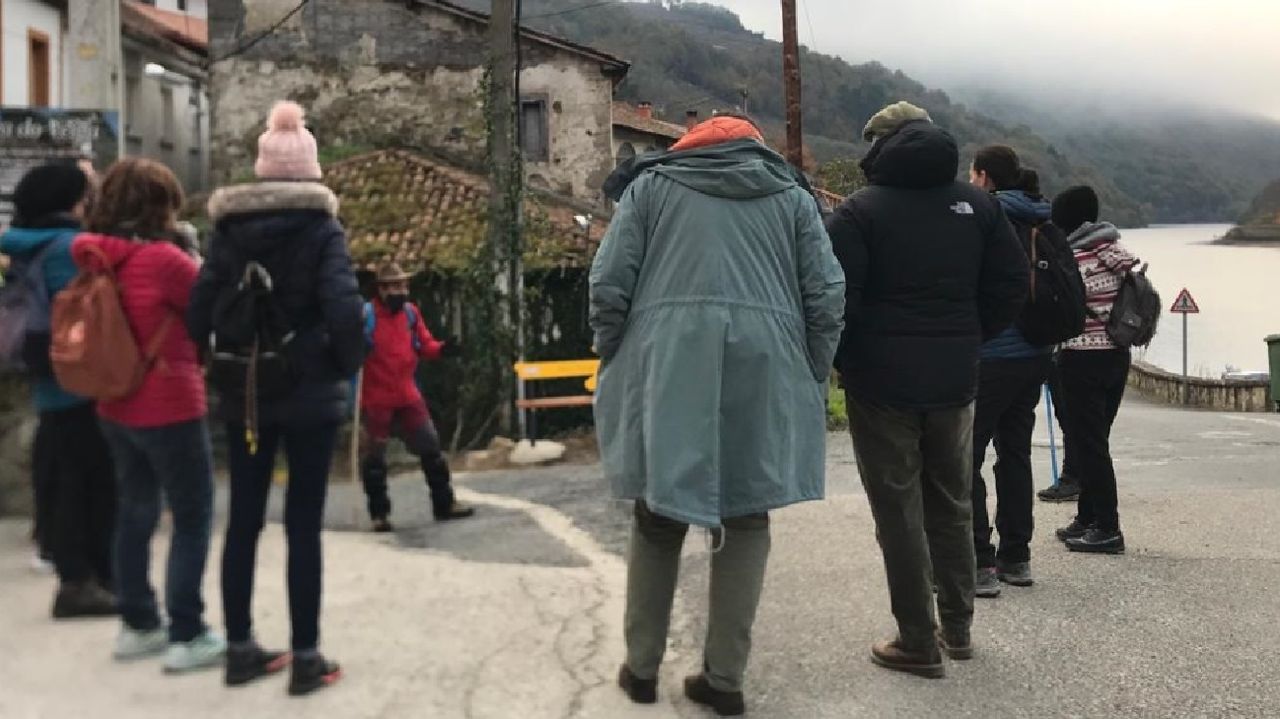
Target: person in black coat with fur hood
{"points": [[283, 234]]}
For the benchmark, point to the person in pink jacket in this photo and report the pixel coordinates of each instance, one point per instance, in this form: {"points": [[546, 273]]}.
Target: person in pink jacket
{"points": [[158, 436]]}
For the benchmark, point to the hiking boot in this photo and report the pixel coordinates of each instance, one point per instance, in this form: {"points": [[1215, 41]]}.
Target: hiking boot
{"points": [[725, 704], [1098, 541], [247, 663], [1075, 530], [1017, 574], [311, 673], [1064, 491], [134, 644], [382, 525], [924, 662], [641, 691], [83, 599], [956, 643], [457, 510], [203, 652], [987, 585]]}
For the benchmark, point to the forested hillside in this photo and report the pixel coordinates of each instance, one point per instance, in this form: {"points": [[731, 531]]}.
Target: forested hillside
{"points": [[699, 56]]}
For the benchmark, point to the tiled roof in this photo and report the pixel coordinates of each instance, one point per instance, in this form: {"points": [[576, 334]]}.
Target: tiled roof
{"points": [[181, 28], [626, 115], [398, 205]]}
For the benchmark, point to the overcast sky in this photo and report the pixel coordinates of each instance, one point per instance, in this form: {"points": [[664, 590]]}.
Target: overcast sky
{"points": [[1214, 53]]}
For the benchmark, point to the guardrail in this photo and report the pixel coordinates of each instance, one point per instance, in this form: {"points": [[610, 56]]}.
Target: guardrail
{"points": [[1224, 395]]}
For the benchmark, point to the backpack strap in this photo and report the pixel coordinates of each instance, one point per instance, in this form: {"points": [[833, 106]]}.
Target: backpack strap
{"points": [[1035, 259], [411, 315], [153, 345], [370, 323]]}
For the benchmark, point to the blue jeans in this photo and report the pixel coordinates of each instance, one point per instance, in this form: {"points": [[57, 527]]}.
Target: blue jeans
{"points": [[308, 451], [173, 461]]}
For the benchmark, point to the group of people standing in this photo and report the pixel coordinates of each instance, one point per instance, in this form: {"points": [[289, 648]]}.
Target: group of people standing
{"points": [[104, 470], [721, 300]]}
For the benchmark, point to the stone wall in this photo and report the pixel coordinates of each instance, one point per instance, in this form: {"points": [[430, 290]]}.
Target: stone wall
{"points": [[17, 428], [1214, 394], [380, 73]]}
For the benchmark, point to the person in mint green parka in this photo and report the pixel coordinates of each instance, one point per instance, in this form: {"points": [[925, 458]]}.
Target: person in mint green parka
{"points": [[717, 305]]}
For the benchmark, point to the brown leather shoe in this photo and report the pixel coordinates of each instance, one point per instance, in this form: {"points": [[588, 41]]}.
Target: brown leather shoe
{"points": [[924, 662], [955, 644]]}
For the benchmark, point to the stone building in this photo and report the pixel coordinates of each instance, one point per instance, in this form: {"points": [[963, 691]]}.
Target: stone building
{"points": [[140, 63], [409, 74]]}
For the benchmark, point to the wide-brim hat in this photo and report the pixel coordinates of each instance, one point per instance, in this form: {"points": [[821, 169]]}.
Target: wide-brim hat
{"points": [[392, 272]]}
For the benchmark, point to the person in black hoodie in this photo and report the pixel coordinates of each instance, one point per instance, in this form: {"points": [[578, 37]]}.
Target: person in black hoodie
{"points": [[933, 269], [287, 224]]}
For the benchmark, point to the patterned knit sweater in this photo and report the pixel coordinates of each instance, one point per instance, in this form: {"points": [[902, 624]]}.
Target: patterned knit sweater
{"points": [[1103, 262]]}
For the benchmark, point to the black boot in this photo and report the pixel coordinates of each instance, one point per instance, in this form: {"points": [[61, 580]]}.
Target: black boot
{"points": [[1098, 541], [247, 663], [83, 599], [725, 704], [440, 482], [1066, 490], [1075, 530], [373, 475], [641, 691], [311, 673]]}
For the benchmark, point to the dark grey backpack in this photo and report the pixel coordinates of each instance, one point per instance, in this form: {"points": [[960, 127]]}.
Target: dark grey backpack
{"points": [[1136, 311]]}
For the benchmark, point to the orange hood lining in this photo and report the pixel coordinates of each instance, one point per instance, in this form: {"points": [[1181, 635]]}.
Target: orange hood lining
{"points": [[716, 131]]}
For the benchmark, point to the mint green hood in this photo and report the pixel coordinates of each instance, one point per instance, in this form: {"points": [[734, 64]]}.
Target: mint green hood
{"points": [[740, 170]]}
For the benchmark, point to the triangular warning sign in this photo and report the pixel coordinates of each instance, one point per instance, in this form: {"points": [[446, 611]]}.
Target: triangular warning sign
{"points": [[1185, 304]]}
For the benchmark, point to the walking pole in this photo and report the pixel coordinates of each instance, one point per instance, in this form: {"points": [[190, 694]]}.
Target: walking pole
{"points": [[1053, 442], [355, 449]]}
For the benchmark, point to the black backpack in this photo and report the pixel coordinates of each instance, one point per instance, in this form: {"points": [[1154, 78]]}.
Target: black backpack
{"points": [[1136, 311], [251, 337], [1056, 307]]}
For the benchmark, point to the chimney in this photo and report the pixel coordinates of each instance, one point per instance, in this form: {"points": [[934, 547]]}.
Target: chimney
{"points": [[690, 119], [645, 109]]}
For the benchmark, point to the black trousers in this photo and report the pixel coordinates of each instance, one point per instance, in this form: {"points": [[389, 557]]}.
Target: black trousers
{"points": [[308, 451], [1008, 392], [83, 502], [1093, 382], [44, 485]]}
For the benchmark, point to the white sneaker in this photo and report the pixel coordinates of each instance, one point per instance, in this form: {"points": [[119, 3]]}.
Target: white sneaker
{"points": [[132, 644], [41, 565], [203, 652]]}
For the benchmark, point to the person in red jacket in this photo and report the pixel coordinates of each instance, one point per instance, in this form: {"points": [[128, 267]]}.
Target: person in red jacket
{"points": [[390, 402], [158, 435]]}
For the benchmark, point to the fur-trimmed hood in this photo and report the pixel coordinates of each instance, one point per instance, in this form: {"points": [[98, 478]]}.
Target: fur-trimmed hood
{"points": [[265, 197]]}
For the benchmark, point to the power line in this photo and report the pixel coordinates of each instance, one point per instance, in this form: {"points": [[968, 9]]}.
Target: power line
{"points": [[580, 8], [245, 47]]}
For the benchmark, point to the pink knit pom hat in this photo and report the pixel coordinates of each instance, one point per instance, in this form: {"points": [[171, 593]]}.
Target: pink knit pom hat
{"points": [[287, 151]]}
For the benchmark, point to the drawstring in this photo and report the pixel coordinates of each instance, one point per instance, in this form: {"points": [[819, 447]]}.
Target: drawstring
{"points": [[716, 538], [251, 401]]}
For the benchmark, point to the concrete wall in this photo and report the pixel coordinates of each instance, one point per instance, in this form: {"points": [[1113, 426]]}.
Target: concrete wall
{"points": [[166, 117], [1220, 395], [379, 73], [17, 18], [94, 56]]}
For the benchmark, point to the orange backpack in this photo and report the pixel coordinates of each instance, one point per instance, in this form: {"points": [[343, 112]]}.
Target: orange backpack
{"points": [[93, 350]]}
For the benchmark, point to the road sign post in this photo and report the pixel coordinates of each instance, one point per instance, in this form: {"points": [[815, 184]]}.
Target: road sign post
{"points": [[1185, 305]]}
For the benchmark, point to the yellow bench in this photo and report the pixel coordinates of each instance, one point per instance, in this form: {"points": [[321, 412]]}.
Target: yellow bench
{"points": [[530, 373]]}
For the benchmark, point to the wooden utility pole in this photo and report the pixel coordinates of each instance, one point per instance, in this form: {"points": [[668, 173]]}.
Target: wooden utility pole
{"points": [[504, 169], [791, 78]]}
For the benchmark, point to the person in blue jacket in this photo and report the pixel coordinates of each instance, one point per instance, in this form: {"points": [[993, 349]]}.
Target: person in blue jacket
{"points": [[71, 457]]}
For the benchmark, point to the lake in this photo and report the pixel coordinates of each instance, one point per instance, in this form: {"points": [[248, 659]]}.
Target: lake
{"points": [[1233, 286]]}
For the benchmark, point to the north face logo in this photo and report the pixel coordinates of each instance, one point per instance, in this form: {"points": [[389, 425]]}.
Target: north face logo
{"points": [[962, 208]]}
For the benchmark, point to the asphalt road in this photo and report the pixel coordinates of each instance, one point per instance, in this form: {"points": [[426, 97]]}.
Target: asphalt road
{"points": [[1184, 625]]}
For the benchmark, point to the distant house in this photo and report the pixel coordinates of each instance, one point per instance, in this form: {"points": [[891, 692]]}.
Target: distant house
{"points": [[636, 131], [408, 73], [130, 71]]}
